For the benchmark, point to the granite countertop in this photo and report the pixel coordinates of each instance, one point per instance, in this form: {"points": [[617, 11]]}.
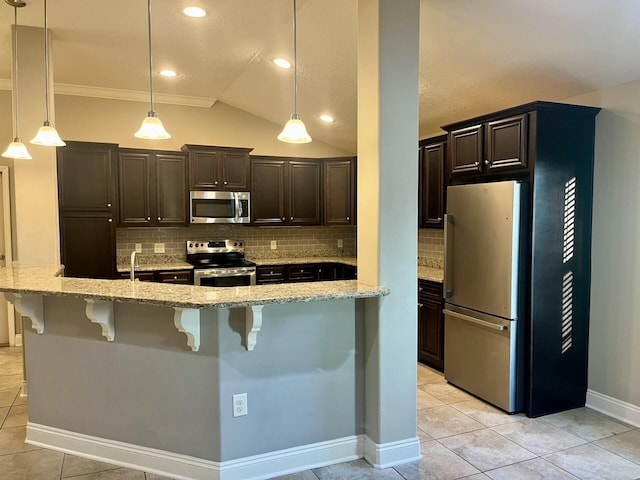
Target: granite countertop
{"points": [[430, 273], [353, 261], [152, 267], [46, 280]]}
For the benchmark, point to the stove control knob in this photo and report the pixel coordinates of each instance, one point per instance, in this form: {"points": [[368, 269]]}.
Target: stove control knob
{"points": [[235, 244], [191, 245], [197, 245]]}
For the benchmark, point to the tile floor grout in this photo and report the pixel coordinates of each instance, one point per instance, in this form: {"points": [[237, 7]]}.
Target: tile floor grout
{"points": [[450, 454]]}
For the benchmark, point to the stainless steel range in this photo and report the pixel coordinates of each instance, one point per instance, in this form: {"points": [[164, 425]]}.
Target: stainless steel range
{"points": [[220, 263]]}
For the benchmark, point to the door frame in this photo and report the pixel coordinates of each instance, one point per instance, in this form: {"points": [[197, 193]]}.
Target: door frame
{"points": [[8, 247]]}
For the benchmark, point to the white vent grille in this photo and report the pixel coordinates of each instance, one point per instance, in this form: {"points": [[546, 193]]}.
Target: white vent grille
{"points": [[567, 311], [569, 220]]}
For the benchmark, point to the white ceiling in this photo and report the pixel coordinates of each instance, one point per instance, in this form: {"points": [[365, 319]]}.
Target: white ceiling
{"points": [[476, 56]]}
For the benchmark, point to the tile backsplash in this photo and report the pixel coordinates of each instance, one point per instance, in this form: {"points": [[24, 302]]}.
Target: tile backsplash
{"points": [[431, 247], [290, 241]]}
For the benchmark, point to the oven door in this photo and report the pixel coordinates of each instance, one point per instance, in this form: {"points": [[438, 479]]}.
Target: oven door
{"points": [[225, 277]]}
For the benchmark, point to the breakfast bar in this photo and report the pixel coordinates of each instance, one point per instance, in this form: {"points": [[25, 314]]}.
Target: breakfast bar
{"points": [[152, 385]]}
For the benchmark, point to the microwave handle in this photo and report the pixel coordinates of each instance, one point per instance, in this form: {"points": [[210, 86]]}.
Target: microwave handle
{"points": [[238, 206]]}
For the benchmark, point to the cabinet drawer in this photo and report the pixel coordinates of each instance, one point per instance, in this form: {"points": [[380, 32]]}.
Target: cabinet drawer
{"points": [[302, 273], [431, 290], [175, 276], [270, 274]]}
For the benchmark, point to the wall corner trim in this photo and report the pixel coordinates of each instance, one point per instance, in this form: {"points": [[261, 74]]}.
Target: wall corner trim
{"points": [[387, 455], [623, 411]]}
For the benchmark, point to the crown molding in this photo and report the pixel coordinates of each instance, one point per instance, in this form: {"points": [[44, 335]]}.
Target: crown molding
{"points": [[131, 95]]}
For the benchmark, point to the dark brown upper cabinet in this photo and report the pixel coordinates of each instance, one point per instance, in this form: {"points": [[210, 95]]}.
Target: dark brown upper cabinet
{"points": [[87, 176], [431, 186], [495, 147], [218, 168], [152, 188], [339, 191], [285, 191], [87, 203]]}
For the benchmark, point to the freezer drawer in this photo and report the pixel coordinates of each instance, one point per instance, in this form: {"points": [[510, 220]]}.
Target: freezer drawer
{"points": [[481, 356]]}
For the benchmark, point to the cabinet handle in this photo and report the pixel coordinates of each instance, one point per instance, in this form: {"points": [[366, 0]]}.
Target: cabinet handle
{"points": [[108, 204], [110, 220], [292, 219], [487, 162], [347, 219], [283, 219], [175, 277], [439, 219], [420, 289], [226, 183], [159, 218], [476, 163], [148, 219], [420, 305], [215, 183]]}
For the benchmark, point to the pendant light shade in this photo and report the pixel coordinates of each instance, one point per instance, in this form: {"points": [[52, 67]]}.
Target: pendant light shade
{"points": [[47, 134], [294, 130], [151, 128], [16, 149]]}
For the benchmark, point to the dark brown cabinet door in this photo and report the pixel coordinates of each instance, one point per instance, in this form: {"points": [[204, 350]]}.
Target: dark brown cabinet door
{"points": [[134, 174], [218, 168], [430, 325], [339, 192], [205, 171], [304, 193], [235, 171], [268, 192], [270, 274], [171, 189], [506, 143], [88, 244], [86, 176], [466, 150], [431, 209]]}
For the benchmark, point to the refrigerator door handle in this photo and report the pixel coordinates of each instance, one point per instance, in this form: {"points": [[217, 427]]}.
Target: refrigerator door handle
{"points": [[448, 255], [467, 318]]}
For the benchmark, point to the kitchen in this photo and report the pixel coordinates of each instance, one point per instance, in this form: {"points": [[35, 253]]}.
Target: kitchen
{"points": [[73, 112]]}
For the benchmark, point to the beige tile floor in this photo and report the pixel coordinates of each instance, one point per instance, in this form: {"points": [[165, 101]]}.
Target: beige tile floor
{"points": [[461, 437]]}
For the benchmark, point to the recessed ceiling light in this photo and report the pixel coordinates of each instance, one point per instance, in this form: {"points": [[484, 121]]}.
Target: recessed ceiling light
{"points": [[282, 63], [326, 118], [168, 73], [194, 12]]}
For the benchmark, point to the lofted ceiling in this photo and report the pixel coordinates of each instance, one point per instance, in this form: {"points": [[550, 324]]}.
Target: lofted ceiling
{"points": [[475, 56]]}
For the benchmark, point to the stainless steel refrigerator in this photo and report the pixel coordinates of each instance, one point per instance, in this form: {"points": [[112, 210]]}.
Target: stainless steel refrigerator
{"points": [[484, 328]]}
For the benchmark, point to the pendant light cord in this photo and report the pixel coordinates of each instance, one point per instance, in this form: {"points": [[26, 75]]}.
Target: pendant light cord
{"points": [[15, 71], [150, 58], [46, 64], [295, 61]]}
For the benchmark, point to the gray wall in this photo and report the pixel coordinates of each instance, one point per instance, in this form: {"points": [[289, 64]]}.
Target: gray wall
{"points": [[303, 380]]}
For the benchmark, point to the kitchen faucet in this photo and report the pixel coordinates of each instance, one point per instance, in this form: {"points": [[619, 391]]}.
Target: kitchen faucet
{"points": [[132, 274]]}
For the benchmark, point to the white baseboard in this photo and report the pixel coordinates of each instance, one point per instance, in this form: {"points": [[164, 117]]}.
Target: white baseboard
{"points": [[393, 453], [185, 467], [18, 340], [613, 407]]}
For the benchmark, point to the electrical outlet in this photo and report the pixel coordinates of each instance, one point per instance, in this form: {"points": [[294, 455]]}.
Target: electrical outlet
{"points": [[273, 244], [340, 243], [240, 406], [158, 248], [138, 248]]}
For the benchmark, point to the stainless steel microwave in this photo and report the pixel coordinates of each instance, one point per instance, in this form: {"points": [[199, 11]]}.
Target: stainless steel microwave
{"points": [[219, 207]]}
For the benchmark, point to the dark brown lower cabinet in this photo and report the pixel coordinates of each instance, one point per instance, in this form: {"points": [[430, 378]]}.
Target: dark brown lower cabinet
{"points": [[430, 324], [183, 277], [307, 272], [88, 244]]}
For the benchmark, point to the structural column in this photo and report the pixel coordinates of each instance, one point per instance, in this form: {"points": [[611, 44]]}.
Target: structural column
{"points": [[388, 77], [35, 181]]}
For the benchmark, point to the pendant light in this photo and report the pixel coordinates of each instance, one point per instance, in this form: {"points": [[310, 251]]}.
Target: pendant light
{"points": [[151, 128], [16, 149], [294, 130], [47, 134]]}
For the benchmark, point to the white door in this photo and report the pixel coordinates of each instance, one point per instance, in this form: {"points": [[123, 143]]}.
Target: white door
{"points": [[7, 321]]}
